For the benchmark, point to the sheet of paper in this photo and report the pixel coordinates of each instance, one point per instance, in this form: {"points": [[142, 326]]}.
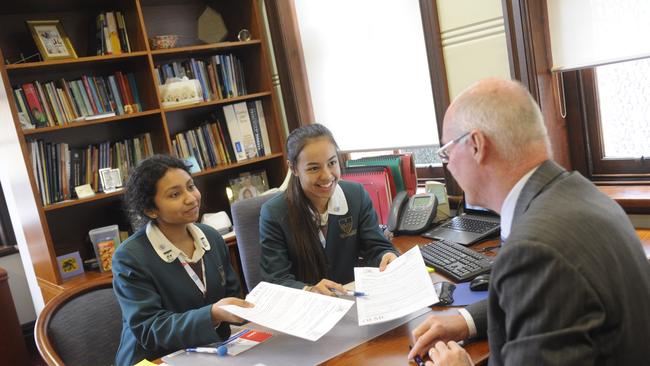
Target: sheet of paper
{"points": [[404, 287], [299, 313]]}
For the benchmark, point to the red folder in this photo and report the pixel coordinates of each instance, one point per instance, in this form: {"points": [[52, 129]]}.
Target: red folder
{"points": [[409, 173], [377, 181]]}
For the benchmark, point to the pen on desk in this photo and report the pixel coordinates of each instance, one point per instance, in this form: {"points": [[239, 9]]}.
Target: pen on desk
{"points": [[219, 348], [349, 292], [417, 358]]}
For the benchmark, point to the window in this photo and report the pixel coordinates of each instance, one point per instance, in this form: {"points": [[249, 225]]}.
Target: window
{"points": [[611, 129]]}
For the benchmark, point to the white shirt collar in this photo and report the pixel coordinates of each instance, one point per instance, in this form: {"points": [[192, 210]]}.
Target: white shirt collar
{"points": [[168, 251], [508, 206], [337, 205]]}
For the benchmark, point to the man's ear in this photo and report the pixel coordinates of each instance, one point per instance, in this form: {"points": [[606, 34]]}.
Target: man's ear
{"points": [[479, 144]]}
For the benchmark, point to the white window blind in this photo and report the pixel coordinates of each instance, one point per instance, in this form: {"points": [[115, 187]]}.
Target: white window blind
{"points": [[368, 73], [586, 33]]}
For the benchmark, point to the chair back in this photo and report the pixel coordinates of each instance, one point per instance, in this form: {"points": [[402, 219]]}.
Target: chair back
{"points": [[246, 221], [81, 326]]}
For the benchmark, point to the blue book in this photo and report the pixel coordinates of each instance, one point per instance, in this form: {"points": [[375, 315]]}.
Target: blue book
{"points": [[134, 91], [116, 94]]}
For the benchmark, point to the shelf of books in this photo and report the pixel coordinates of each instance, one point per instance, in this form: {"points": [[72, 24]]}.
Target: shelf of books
{"points": [[88, 106]]}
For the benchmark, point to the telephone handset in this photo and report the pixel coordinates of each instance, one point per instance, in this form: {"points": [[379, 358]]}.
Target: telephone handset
{"points": [[412, 215]]}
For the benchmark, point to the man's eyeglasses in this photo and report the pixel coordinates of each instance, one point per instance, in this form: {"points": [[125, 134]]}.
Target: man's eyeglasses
{"points": [[443, 152]]}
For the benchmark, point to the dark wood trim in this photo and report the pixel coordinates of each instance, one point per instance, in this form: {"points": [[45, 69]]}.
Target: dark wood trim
{"points": [[530, 62], [7, 236], [437, 73], [290, 61]]}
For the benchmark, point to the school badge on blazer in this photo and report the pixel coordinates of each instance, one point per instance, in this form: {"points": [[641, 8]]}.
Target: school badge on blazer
{"points": [[222, 274], [346, 224]]}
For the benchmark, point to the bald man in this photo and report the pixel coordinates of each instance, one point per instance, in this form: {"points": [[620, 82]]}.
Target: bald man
{"points": [[571, 284]]}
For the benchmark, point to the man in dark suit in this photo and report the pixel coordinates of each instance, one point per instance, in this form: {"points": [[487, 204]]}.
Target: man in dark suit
{"points": [[571, 284]]}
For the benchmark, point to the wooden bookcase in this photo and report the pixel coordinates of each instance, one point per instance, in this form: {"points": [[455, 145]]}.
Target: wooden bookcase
{"points": [[63, 227]]}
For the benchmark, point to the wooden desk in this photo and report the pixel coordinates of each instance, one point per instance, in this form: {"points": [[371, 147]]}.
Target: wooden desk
{"points": [[391, 348]]}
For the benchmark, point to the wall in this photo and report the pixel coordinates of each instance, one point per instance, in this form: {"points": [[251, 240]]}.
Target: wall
{"points": [[474, 42], [19, 289]]}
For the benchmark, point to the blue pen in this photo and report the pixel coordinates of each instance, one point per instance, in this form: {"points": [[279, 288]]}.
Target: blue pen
{"points": [[417, 358], [355, 293], [220, 347]]}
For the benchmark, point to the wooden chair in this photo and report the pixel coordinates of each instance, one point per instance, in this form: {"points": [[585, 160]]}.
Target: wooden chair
{"points": [[81, 326]]}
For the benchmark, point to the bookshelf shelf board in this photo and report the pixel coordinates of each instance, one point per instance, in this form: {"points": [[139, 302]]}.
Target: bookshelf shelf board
{"points": [[223, 167], [87, 276], [74, 202], [217, 102], [205, 47], [44, 130], [72, 61]]}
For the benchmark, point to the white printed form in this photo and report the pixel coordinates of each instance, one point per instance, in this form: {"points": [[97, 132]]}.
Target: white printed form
{"points": [[299, 313], [404, 287]]}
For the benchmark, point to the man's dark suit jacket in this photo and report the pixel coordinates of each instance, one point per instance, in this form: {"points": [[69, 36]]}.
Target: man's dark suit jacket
{"points": [[571, 285]]}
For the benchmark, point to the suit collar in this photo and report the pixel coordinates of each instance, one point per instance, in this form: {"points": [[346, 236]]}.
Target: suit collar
{"points": [[546, 173]]}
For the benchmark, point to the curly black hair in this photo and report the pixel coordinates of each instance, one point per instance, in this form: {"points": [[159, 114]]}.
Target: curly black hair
{"points": [[141, 186]]}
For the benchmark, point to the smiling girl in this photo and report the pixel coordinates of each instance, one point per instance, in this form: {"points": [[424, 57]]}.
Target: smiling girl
{"points": [[171, 275], [314, 234]]}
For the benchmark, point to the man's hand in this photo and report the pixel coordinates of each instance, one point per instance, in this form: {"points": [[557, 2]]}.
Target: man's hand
{"points": [[219, 315], [438, 328], [448, 354], [385, 260], [327, 287]]}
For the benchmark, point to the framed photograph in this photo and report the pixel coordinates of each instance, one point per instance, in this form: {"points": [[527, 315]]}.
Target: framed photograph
{"points": [[247, 185], [70, 265], [52, 41], [110, 179]]}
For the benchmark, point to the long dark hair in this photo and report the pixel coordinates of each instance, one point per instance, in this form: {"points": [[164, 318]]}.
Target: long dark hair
{"points": [[141, 186], [311, 264]]}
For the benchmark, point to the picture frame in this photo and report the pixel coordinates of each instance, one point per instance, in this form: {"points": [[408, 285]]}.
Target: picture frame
{"points": [[70, 265], [247, 185], [51, 40], [110, 179]]}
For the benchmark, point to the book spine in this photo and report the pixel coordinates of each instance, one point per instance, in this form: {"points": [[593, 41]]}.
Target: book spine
{"points": [[46, 106], [113, 36], [116, 94], [89, 93], [134, 91], [34, 105], [255, 124], [246, 129]]}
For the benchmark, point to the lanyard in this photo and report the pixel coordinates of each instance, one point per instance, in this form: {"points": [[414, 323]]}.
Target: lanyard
{"points": [[201, 285]]}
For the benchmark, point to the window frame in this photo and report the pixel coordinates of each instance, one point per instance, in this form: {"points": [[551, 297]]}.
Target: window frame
{"points": [[586, 134]]}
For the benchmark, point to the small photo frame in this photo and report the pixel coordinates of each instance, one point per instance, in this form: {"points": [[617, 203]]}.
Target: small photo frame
{"points": [[70, 265], [110, 178], [52, 41]]}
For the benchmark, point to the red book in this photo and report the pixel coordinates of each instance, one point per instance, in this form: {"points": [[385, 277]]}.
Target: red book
{"points": [[35, 105], [127, 98]]}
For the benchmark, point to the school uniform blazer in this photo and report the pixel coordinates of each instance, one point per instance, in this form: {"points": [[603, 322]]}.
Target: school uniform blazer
{"points": [[162, 308], [571, 285], [349, 236]]}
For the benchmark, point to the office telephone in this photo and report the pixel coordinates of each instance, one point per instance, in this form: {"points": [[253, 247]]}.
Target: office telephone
{"points": [[412, 215]]}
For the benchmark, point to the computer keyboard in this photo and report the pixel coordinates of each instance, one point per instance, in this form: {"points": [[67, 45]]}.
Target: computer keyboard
{"points": [[461, 264], [471, 225]]}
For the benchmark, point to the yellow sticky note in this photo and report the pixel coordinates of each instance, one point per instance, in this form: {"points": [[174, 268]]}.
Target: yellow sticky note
{"points": [[430, 270], [145, 362]]}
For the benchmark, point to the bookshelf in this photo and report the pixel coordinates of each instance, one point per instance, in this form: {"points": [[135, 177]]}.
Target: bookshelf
{"points": [[62, 227]]}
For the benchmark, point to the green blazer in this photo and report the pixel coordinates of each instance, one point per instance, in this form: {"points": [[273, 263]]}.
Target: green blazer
{"points": [[162, 309], [349, 237]]}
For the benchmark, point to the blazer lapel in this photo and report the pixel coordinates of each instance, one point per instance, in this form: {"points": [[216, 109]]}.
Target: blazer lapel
{"points": [[541, 178]]}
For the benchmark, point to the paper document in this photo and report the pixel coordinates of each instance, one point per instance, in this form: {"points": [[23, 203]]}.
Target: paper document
{"points": [[404, 287], [299, 313]]}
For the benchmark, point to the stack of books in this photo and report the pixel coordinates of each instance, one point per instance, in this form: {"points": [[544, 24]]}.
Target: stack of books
{"points": [[112, 37], [220, 76], [241, 135], [56, 103], [59, 168]]}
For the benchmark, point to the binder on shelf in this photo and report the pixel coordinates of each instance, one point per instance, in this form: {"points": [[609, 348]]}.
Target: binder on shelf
{"points": [[391, 161], [377, 181]]}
